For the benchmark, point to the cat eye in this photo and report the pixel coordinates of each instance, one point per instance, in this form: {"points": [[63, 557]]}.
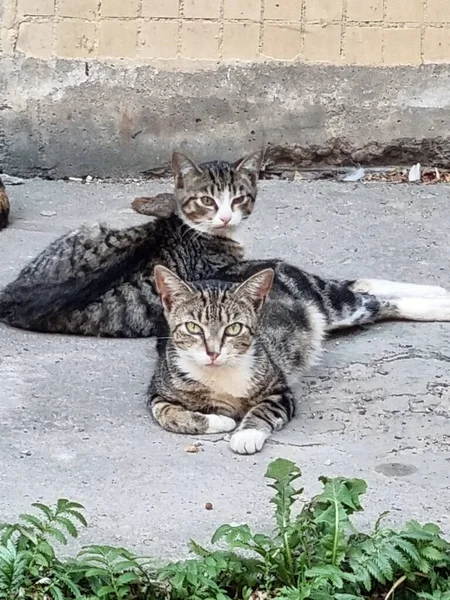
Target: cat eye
{"points": [[193, 328], [233, 329], [240, 200], [207, 201]]}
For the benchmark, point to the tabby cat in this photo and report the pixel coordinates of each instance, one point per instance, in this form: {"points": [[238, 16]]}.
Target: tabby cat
{"points": [[230, 351], [4, 206], [99, 281]]}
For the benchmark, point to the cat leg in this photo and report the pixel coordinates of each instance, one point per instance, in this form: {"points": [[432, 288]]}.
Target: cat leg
{"points": [[269, 415], [396, 289], [177, 419]]}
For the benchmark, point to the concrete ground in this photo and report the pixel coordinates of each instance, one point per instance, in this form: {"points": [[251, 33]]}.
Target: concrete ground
{"points": [[73, 416]]}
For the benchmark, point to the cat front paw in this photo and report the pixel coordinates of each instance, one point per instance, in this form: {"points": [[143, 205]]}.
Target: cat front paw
{"points": [[220, 424], [248, 441]]}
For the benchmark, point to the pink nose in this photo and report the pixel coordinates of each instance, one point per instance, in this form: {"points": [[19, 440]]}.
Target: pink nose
{"points": [[213, 356], [225, 220]]}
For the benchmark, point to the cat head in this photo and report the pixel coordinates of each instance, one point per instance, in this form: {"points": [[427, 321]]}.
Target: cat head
{"points": [[214, 197], [212, 323]]}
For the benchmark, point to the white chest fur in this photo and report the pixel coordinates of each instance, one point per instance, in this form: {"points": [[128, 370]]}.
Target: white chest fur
{"points": [[226, 380]]}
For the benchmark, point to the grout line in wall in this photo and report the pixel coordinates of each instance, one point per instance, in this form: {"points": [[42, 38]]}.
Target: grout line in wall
{"points": [[221, 26], [422, 31], [55, 28], [98, 15], [348, 22], [302, 27], [139, 29], [343, 31], [180, 26], [384, 9], [262, 13]]}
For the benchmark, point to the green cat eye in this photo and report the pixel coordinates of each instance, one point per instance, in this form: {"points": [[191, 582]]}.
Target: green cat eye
{"points": [[233, 329], [207, 201], [193, 328], [240, 200]]}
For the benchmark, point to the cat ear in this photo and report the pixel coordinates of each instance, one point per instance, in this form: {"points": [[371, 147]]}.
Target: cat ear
{"points": [[183, 166], [251, 163], [170, 287], [257, 287]]}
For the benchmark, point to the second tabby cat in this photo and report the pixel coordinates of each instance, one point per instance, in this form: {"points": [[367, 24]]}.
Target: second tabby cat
{"points": [[230, 350]]}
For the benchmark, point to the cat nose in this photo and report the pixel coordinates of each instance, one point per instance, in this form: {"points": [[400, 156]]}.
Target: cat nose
{"points": [[225, 219], [213, 356]]}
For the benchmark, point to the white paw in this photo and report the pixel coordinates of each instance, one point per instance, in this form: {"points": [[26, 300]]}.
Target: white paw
{"points": [[219, 424], [248, 441]]}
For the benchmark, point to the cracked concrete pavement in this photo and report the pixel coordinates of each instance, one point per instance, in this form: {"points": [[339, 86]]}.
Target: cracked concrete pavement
{"points": [[72, 410]]}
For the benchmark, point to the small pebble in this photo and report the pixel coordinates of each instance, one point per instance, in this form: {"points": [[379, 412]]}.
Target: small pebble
{"points": [[208, 506], [48, 213], [191, 449], [327, 462]]}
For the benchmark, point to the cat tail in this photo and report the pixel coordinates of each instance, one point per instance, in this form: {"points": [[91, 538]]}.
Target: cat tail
{"points": [[26, 305], [365, 301], [4, 206]]}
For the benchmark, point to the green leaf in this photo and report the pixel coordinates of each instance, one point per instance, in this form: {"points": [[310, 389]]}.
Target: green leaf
{"points": [[45, 509], [56, 593], [96, 572], [434, 555], [41, 560], [345, 491], [127, 578], [197, 549], [58, 535], [105, 591], [378, 522], [398, 558], [123, 565], [409, 549], [233, 534], [281, 469], [34, 521], [77, 515], [67, 523]]}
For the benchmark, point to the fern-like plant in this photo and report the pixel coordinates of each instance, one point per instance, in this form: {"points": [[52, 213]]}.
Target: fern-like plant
{"points": [[313, 554], [29, 566]]}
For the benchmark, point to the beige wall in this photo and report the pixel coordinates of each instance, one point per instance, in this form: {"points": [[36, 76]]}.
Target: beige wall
{"points": [[210, 32]]}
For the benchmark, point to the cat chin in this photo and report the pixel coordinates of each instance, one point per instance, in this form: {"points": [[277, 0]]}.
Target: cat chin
{"points": [[225, 231]]}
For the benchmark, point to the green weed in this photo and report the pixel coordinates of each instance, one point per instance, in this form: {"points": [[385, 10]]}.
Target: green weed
{"points": [[316, 554]]}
